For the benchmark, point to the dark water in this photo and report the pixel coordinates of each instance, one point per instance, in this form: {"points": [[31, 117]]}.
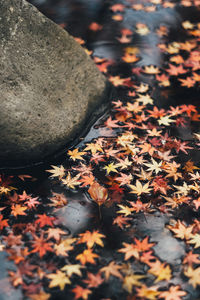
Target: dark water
{"points": [[81, 213]]}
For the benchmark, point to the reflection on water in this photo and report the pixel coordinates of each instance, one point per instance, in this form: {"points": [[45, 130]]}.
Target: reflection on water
{"points": [[110, 35]]}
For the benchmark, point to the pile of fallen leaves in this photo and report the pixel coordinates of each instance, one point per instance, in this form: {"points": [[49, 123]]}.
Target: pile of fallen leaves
{"points": [[135, 166]]}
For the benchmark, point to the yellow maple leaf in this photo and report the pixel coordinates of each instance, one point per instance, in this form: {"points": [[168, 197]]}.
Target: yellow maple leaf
{"points": [[124, 210], [165, 120], [58, 279], [63, 247], [139, 188], [160, 270], [71, 182], [110, 168], [195, 239], [72, 269], [180, 230], [75, 154], [57, 171], [150, 293], [132, 280], [194, 275], [91, 238]]}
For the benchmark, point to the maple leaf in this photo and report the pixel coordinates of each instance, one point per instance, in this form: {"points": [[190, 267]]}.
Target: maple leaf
{"points": [[178, 59], [139, 188], [191, 259], [145, 292], [197, 203], [124, 178], [125, 210], [110, 123], [129, 250], [121, 221], [87, 257], [139, 206], [175, 201], [93, 147], [87, 180], [189, 166], [145, 99], [174, 293], [143, 245], [181, 231], [134, 107], [57, 171], [91, 238], [16, 278], [5, 190], [44, 220], [165, 120], [116, 80], [58, 279], [195, 239], [111, 269], [55, 233], [147, 148], [147, 257], [183, 189], [3, 222], [58, 200], [194, 275], [188, 82], [75, 154], [31, 202], [40, 296], [41, 245], [98, 193], [72, 269], [94, 280], [131, 281], [64, 246], [160, 270], [154, 166], [71, 182], [175, 71], [18, 210], [80, 292]]}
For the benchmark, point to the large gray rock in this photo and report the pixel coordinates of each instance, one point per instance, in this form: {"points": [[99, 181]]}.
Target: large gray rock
{"points": [[49, 86]]}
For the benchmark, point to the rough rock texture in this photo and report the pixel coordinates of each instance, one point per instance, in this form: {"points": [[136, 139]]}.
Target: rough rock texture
{"points": [[48, 84]]}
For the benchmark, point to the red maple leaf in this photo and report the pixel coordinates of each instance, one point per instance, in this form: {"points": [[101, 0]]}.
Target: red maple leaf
{"points": [[44, 220], [41, 245]]}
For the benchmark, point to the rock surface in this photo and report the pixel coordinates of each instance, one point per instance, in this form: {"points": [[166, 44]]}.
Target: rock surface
{"points": [[49, 86]]}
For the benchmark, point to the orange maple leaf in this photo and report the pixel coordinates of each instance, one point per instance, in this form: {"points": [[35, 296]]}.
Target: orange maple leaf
{"points": [[80, 292], [111, 269], [41, 245], [18, 210], [91, 238], [87, 257], [130, 250], [174, 293]]}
